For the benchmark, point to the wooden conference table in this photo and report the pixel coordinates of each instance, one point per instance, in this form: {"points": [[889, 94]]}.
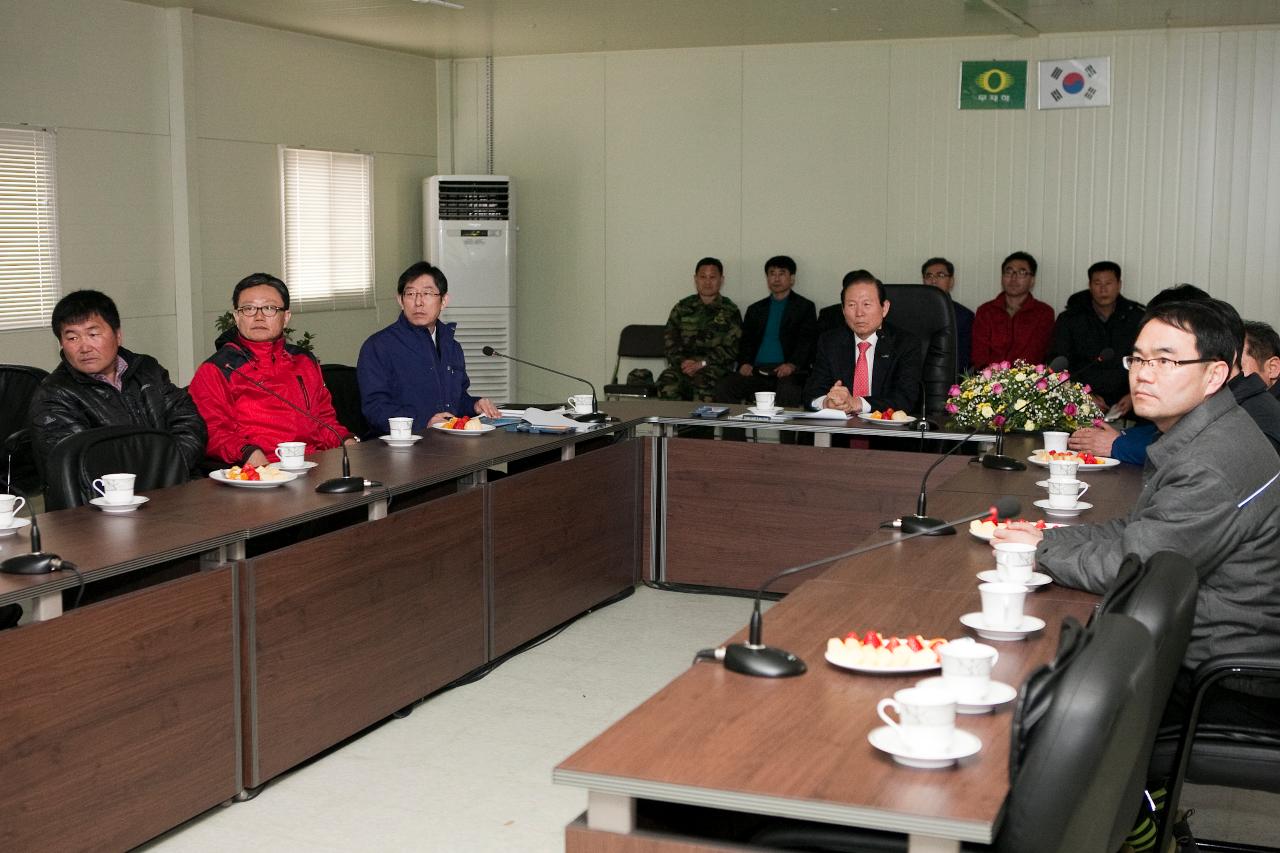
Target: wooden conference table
{"points": [[708, 759], [269, 625]]}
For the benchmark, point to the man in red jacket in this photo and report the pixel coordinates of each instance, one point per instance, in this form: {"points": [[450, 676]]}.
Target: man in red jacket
{"points": [[1015, 324], [245, 421]]}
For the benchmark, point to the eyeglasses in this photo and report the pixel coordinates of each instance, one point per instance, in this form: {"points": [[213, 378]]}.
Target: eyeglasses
{"points": [[930, 276], [419, 295], [1160, 364], [1016, 273], [268, 311]]}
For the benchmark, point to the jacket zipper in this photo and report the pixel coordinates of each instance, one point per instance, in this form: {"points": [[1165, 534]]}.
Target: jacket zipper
{"points": [[305, 399]]}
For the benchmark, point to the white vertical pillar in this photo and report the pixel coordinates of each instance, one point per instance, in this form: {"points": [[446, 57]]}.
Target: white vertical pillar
{"points": [[187, 280]]}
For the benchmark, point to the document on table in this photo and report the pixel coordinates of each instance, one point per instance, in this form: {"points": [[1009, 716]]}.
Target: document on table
{"points": [[824, 415], [543, 418]]}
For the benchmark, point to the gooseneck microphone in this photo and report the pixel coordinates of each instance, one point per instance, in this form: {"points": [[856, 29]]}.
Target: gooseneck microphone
{"points": [[596, 416], [755, 658], [922, 522], [338, 485]]}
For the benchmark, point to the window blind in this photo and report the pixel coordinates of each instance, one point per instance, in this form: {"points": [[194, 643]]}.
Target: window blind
{"points": [[30, 282], [328, 228]]}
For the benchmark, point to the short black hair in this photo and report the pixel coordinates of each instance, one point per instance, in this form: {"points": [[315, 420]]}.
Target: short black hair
{"points": [[951, 268], [1021, 256], [1105, 266], [255, 280], [1216, 326], [715, 262], [781, 262], [417, 271], [79, 305], [862, 277], [1179, 293], [1261, 339]]}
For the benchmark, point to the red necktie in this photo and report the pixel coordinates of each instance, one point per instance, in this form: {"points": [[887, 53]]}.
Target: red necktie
{"points": [[861, 387]]}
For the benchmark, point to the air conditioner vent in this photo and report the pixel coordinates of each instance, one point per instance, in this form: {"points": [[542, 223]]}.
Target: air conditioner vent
{"points": [[474, 200]]}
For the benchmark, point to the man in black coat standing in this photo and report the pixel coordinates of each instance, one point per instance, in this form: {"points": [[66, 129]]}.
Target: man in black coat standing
{"points": [[867, 365], [778, 337]]}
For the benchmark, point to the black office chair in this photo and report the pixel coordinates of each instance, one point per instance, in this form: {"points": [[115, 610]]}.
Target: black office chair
{"points": [[18, 382], [636, 342], [82, 457], [343, 386], [1079, 729], [927, 313]]}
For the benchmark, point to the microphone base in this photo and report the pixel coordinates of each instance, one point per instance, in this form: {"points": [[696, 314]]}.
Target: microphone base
{"points": [[30, 564], [341, 486], [762, 661], [593, 418], [1000, 462], [926, 525]]}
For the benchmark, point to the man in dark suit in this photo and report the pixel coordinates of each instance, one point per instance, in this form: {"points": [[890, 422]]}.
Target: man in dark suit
{"points": [[868, 365], [778, 337]]}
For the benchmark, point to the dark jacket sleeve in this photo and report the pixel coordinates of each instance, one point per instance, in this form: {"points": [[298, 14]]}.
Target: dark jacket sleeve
{"points": [[52, 417], [673, 342], [901, 387], [184, 422], [825, 370], [752, 333], [375, 373], [806, 336], [211, 392]]}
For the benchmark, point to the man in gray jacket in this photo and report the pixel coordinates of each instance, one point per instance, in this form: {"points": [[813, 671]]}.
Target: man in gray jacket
{"points": [[1211, 489]]}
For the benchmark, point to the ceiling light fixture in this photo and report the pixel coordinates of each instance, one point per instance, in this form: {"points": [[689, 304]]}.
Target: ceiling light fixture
{"points": [[444, 3]]}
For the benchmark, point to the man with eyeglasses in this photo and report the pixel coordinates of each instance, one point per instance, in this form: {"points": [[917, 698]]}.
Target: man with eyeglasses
{"points": [[1014, 325], [100, 383], [941, 273], [1211, 491], [246, 422], [415, 367]]}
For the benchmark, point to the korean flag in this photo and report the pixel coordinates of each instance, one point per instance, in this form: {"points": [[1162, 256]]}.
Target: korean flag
{"points": [[1075, 83]]}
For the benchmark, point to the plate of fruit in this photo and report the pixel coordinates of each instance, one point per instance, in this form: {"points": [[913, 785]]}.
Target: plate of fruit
{"points": [[891, 417], [872, 652], [253, 476], [983, 528], [464, 426], [1088, 462]]}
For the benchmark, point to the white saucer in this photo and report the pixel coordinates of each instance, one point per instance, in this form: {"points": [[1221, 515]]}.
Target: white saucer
{"points": [[1038, 579], [16, 524], [300, 469], [768, 412], [401, 442], [1063, 512], [962, 745], [997, 694], [1030, 624], [101, 503]]}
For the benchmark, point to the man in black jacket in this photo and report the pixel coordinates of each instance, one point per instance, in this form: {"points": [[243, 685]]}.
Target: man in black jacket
{"points": [[778, 335], [100, 383], [1095, 320], [866, 365]]}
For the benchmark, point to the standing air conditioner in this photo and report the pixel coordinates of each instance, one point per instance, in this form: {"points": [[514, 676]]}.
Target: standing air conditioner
{"points": [[470, 234]]}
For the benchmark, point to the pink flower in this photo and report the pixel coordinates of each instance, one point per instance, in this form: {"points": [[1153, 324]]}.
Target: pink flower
{"points": [[954, 392], [1042, 385], [997, 388], [1087, 389], [1098, 422], [1070, 410], [1004, 365], [951, 408], [998, 420], [986, 373]]}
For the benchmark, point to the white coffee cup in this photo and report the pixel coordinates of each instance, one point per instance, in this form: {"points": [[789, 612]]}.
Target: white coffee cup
{"points": [[966, 668], [10, 506], [115, 488], [1015, 561], [1065, 494], [581, 404], [400, 427], [1056, 440], [926, 718], [1063, 469], [291, 453], [1002, 604], [764, 399]]}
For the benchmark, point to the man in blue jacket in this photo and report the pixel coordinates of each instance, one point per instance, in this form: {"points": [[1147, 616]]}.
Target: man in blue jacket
{"points": [[415, 367]]}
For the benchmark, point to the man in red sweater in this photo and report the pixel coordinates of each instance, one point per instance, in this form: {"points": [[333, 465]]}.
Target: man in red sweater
{"points": [[246, 422], [1015, 324]]}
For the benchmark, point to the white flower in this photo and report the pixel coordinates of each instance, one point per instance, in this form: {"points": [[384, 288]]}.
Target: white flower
{"points": [[1031, 426], [1020, 405], [986, 411]]}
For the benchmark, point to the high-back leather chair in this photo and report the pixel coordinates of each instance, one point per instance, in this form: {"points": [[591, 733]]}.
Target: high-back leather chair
{"points": [[344, 388], [18, 382], [1080, 728], [82, 457], [637, 342], [927, 313]]}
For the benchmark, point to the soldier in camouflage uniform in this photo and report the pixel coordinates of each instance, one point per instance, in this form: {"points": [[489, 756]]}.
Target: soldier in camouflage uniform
{"points": [[701, 338]]}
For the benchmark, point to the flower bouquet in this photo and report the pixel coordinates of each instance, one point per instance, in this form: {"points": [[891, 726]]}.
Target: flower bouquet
{"points": [[1021, 396]]}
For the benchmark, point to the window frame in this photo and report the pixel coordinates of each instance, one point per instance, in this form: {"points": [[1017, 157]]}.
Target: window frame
{"points": [[35, 297]]}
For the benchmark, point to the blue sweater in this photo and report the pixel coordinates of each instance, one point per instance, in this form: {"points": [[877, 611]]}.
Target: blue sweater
{"points": [[401, 375]]}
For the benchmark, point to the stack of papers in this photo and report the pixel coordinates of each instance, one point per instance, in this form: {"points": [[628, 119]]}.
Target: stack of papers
{"points": [[551, 420]]}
